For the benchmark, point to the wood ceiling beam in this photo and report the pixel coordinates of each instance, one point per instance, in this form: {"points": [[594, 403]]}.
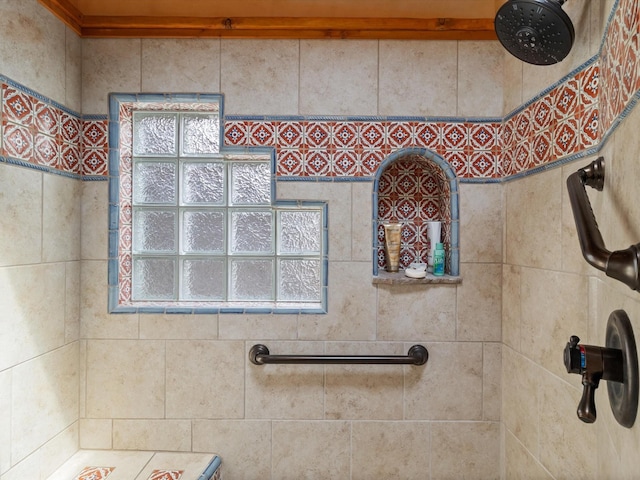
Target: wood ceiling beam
{"points": [[271, 27]]}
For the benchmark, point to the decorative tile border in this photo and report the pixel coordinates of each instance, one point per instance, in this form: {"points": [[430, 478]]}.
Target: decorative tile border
{"points": [[166, 475], [94, 473], [564, 122]]}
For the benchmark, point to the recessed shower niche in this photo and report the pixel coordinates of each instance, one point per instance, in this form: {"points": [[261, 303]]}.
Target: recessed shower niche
{"points": [[413, 187]]}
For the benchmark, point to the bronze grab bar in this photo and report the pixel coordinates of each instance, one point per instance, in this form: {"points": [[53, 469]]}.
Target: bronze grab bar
{"points": [[417, 355], [623, 265]]}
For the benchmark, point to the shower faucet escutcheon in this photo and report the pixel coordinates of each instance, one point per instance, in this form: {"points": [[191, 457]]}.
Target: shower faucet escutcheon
{"points": [[617, 363]]}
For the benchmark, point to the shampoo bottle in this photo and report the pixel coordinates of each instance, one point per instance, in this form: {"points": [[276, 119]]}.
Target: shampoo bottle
{"points": [[438, 260]]}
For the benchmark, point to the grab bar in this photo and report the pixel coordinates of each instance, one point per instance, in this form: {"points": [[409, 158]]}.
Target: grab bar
{"points": [[623, 265], [418, 355]]}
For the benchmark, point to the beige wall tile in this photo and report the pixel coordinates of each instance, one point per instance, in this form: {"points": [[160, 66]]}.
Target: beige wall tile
{"points": [[5, 421], [125, 379], [492, 381], [338, 77], [96, 320], [32, 324], [286, 391], [352, 306], [178, 327], [33, 48], [296, 445], [449, 387], [481, 223], [479, 302], [95, 220], [167, 435], [418, 78], [361, 221], [520, 463], [512, 90], [166, 68], [391, 450], [465, 450], [260, 76], [364, 392], [520, 398], [554, 307], [416, 313], [533, 220], [243, 445], [73, 71], [108, 65], [271, 327], [96, 433], [511, 306], [557, 416], [58, 450], [72, 302], [480, 78], [44, 399], [60, 219], [205, 379], [21, 220]]}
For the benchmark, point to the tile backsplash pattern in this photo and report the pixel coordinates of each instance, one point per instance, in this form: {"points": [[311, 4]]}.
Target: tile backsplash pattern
{"points": [[560, 123]]}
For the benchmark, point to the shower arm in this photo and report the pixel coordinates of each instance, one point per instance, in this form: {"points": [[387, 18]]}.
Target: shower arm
{"points": [[623, 265]]}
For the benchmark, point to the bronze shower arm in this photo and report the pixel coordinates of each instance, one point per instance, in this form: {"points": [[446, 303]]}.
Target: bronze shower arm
{"points": [[623, 265]]}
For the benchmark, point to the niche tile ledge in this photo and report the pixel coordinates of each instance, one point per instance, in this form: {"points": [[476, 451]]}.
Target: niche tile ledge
{"points": [[399, 278]]}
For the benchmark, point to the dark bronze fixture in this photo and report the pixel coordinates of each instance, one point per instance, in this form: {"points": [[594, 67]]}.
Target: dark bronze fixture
{"points": [[623, 265], [418, 355], [617, 363], [535, 31]]}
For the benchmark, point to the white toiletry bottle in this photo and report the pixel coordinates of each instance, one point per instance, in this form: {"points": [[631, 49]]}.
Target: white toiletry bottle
{"points": [[438, 260]]}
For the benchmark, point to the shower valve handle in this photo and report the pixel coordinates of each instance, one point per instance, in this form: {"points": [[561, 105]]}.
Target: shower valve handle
{"points": [[594, 364]]}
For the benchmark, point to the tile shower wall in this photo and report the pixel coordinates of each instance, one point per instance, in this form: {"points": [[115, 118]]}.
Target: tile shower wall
{"points": [[256, 419], [39, 249], [183, 382], [550, 292]]}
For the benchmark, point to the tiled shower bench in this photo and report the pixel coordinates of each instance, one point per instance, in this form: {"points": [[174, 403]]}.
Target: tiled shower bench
{"points": [[136, 465]]}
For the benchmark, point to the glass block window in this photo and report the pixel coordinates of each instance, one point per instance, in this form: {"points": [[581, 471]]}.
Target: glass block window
{"points": [[195, 226]]}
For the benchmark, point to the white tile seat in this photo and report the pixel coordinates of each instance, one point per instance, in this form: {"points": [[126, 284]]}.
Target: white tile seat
{"points": [[135, 465]]}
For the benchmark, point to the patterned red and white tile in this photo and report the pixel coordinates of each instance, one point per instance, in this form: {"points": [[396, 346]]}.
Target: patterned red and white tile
{"points": [[17, 106], [47, 119], [289, 162], [95, 162], [94, 133], [543, 113], [17, 142], [427, 135], [370, 161], [565, 138], [70, 128], [372, 135], [589, 82], [566, 99], [70, 158], [542, 148], [46, 152], [589, 127], [317, 134], [166, 475], [262, 134], [94, 473], [484, 136], [482, 164], [458, 161], [236, 132], [455, 135], [344, 134], [318, 163], [400, 134], [290, 134]]}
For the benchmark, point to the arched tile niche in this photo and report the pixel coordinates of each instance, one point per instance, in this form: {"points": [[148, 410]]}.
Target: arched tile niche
{"points": [[412, 187]]}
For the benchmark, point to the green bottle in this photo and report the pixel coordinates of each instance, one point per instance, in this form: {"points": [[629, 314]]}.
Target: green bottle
{"points": [[438, 260]]}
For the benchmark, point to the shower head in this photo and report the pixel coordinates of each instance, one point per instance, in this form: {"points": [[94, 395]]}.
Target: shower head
{"points": [[535, 31]]}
